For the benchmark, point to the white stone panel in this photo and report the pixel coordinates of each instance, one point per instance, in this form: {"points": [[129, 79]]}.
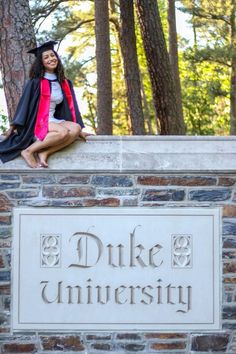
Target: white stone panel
{"points": [[134, 269]]}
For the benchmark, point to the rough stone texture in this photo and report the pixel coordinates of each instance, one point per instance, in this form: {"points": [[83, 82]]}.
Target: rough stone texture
{"points": [[118, 172], [61, 343], [67, 192], [19, 348], [229, 227], [168, 346], [210, 195], [5, 204], [210, 343], [229, 211], [163, 195], [177, 181]]}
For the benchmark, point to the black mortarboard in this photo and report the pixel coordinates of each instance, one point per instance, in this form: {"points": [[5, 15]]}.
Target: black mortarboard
{"points": [[42, 48]]}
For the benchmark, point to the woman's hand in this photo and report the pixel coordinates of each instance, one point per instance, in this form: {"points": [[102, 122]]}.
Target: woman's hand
{"points": [[9, 131], [83, 135]]}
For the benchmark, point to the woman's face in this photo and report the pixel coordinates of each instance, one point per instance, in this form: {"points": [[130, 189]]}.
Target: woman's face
{"points": [[50, 61]]}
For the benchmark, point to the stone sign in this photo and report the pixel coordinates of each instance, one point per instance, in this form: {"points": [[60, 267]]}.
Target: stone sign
{"points": [[120, 268]]}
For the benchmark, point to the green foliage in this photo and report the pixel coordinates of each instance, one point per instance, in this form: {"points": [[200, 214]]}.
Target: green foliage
{"points": [[4, 122], [204, 64], [205, 68]]}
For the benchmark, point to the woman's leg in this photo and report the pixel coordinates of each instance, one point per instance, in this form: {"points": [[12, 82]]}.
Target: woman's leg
{"points": [[56, 135], [74, 130]]}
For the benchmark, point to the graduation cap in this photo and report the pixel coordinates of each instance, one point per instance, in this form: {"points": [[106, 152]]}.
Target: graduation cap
{"points": [[42, 48]]}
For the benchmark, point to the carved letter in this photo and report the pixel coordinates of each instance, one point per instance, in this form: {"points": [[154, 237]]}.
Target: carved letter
{"points": [[58, 298], [189, 298], [89, 294], [169, 287], [119, 291], [149, 296], [111, 254], [132, 251], [107, 297], [152, 252], [86, 242]]}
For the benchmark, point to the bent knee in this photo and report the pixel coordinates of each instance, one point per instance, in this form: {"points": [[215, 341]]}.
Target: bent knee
{"points": [[75, 130], [63, 134]]}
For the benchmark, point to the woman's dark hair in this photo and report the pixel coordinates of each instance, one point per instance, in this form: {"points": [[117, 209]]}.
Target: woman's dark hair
{"points": [[37, 69]]}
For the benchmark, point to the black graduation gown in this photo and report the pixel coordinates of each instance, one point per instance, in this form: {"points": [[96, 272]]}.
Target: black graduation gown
{"points": [[25, 119]]}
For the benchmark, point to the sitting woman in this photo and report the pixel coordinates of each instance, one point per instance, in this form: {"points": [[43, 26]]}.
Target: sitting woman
{"points": [[47, 117]]}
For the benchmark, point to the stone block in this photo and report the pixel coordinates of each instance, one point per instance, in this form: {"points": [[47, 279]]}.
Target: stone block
{"points": [[229, 228], [71, 203], [5, 289], [226, 181], [5, 232], [165, 336], [7, 303], [112, 181], [132, 347], [4, 318], [176, 181], [210, 342], [10, 177], [119, 192], [104, 347], [5, 204], [163, 195], [229, 255], [5, 219], [229, 242], [229, 312], [4, 276], [109, 202], [229, 211], [19, 348], [229, 267], [5, 243], [73, 179], [229, 326], [62, 343], [126, 202], [210, 195], [67, 192], [8, 185], [168, 346], [97, 336], [38, 179], [128, 336], [23, 194]]}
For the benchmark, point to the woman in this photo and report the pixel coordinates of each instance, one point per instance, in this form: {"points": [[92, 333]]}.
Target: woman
{"points": [[47, 117]]}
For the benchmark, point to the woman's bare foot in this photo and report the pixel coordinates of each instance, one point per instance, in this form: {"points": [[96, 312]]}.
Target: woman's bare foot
{"points": [[29, 158], [42, 157]]}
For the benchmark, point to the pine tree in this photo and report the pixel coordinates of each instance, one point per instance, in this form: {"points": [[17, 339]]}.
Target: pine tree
{"points": [[16, 38]]}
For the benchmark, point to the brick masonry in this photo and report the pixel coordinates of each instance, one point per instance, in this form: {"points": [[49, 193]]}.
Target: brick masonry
{"points": [[155, 172], [53, 189]]}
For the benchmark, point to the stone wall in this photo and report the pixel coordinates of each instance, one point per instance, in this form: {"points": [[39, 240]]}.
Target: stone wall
{"points": [[126, 172]]}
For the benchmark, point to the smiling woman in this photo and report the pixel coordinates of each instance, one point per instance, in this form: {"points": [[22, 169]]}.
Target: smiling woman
{"points": [[47, 117]]}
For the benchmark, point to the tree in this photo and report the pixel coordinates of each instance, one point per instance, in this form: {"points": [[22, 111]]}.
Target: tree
{"points": [[216, 28], [103, 59], [163, 88], [131, 67], [173, 54], [16, 38]]}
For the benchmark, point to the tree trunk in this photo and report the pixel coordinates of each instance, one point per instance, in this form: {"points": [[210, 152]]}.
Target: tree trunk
{"points": [[131, 67], [146, 108], [173, 54], [163, 88], [16, 38], [233, 70], [103, 58]]}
